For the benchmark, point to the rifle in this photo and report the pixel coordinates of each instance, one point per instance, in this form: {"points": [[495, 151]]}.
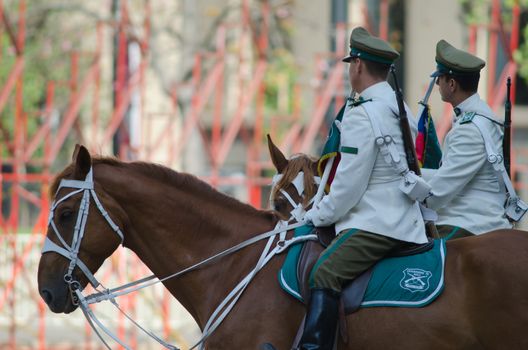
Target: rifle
{"points": [[408, 144], [506, 140]]}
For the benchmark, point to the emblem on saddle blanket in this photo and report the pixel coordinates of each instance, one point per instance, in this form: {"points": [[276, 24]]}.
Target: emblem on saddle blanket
{"points": [[415, 280], [407, 281]]}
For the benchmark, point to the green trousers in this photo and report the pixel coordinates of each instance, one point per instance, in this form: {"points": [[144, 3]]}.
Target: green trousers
{"points": [[350, 253], [452, 232]]}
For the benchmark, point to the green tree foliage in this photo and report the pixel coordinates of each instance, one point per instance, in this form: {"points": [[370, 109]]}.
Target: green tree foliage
{"points": [[49, 41], [280, 78], [477, 12], [521, 56]]}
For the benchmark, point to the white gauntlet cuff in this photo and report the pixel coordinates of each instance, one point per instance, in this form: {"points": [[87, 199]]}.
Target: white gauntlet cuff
{"points": [[415, 187]]}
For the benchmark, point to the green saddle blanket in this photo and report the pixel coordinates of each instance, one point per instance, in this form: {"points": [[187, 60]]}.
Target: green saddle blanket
{"points": [[408, 281]]}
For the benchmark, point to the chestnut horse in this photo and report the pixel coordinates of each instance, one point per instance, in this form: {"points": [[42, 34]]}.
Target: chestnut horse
{"points": [[173, 220]]}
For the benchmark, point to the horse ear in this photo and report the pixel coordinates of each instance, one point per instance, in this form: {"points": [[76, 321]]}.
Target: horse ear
{"points": [[82, 160], [75, 152], [279, 160]]}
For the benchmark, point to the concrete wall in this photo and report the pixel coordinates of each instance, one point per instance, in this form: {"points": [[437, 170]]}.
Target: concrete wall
{"points": [[311, 33], [426, 23]]}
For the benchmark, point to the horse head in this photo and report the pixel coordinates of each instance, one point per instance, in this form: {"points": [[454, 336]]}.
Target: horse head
{"points": [[76, 243], [295, 184]]}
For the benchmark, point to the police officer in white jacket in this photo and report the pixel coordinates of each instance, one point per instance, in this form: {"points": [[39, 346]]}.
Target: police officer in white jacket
{"points": [[466, 191], [372, 215]]}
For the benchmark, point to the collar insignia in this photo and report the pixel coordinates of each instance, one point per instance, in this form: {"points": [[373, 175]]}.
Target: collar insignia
{"points": [[466, 117]]}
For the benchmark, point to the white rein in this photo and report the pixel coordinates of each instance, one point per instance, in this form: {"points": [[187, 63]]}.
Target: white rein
{"points": [[220, 313]]}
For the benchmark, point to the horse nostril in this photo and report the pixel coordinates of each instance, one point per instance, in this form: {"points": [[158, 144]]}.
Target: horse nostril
{"points": [[47, 296]]}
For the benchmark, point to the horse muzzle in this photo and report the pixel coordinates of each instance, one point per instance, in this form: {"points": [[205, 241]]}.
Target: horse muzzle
{"points": [[54, 290], [58, 298]]}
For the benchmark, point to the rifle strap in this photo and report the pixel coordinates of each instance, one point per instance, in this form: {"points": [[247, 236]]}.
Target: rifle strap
{"points": [[515, 208], [390, 154], [495, 158]]}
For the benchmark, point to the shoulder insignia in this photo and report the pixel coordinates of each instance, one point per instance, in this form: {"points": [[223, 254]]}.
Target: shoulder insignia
{"points": [[467, 117], [358, 102]]}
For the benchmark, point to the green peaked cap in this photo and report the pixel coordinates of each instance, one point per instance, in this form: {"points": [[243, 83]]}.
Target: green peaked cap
{"points": [[451, 60], [371, 48]]}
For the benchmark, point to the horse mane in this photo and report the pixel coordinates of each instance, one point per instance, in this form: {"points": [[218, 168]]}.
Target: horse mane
{"points": [[165, 175], [297, 163]]}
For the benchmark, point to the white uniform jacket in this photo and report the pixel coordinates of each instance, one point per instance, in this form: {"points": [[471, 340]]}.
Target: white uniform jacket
{"points": [[364, 193], [466, 190]]}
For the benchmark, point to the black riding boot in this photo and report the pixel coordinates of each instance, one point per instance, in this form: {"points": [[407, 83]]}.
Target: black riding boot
{"points": [[320, 325], [321, 320]]}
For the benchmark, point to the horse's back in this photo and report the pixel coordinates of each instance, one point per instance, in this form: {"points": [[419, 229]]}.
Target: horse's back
{"points": [[497, 254], [484, 303], [486, 276]]}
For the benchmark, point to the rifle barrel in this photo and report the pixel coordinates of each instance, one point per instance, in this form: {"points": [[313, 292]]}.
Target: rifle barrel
{"points": [[506, 140], [408, 142]]}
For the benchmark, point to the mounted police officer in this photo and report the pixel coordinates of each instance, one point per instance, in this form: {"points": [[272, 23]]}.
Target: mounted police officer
{"points": [[467, 192], [372, 216]]}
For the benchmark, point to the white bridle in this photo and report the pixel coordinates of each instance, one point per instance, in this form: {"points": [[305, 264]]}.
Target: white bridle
{"points": [[71, 253], [298, 211]]}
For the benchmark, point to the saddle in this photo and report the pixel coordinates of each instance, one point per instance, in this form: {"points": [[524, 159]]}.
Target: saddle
{"points": [[352, 294]]}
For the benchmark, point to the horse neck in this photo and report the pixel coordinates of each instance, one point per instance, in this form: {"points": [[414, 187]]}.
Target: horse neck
{"points": [[178, 221]]}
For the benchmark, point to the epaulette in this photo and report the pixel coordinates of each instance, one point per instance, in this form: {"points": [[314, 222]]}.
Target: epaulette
{"points": [[467, 117]]}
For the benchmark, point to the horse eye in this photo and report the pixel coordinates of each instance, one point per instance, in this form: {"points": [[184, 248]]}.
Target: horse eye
{"points": [[66, 215], [279, 204]]}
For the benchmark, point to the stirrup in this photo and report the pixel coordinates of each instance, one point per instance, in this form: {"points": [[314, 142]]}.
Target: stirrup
{"points": [[267, 346]]}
